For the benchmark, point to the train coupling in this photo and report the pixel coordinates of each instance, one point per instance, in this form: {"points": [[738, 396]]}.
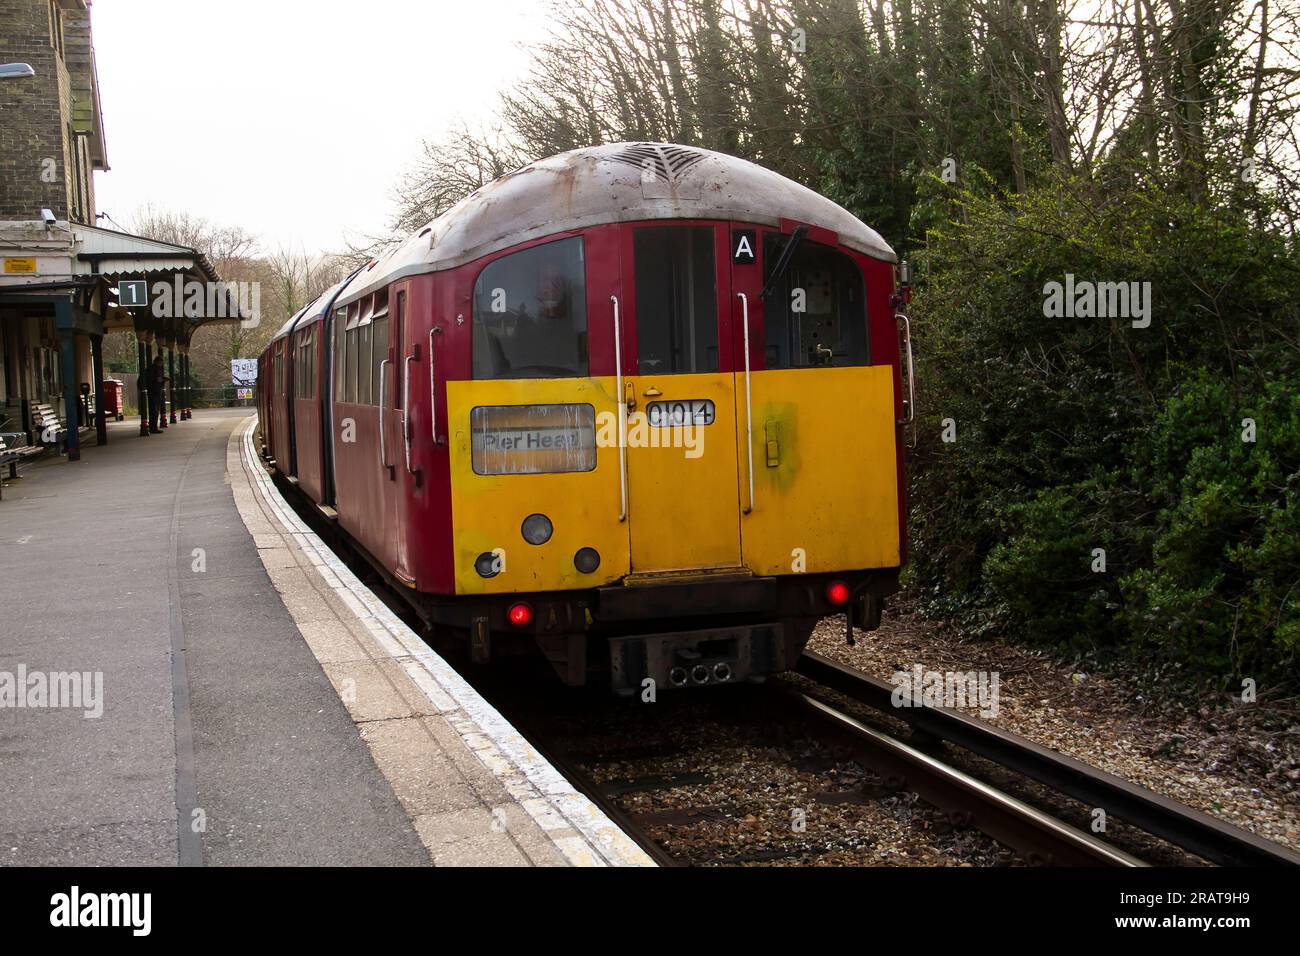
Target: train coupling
{"points": [[684, 659]]}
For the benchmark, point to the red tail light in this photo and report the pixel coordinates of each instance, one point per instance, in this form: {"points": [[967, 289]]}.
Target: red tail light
{"points": [[521, 614], [837, 592]]}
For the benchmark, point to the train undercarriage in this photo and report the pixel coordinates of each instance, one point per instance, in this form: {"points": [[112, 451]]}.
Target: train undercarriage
{"points": [[689, 632]]}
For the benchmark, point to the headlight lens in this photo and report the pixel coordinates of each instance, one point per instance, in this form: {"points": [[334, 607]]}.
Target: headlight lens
{"points": [[537, 529], [587, 560], [487, 565]]}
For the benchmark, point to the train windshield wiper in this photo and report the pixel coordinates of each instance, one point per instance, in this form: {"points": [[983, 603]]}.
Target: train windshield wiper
{"points": [[783, 261]]}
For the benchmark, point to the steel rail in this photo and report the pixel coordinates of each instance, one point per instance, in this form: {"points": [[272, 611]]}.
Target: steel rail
{"points": [[1194, 831], [1042, 838]]}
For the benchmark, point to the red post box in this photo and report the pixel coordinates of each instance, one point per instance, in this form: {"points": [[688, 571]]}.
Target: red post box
{"points": [[112, 398]]}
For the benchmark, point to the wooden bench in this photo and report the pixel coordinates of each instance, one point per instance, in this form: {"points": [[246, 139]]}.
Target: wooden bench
{"points": [[13, 449], [46, 427]]}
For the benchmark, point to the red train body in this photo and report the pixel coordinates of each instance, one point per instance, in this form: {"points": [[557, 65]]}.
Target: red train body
{"points": [[447, 395]]}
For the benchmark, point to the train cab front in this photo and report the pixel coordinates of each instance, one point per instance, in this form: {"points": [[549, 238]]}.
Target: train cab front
{"points": [[676, 449]]}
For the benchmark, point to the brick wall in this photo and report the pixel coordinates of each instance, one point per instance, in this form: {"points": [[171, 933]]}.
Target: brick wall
{"points": [[36, 114], [79, 57]]}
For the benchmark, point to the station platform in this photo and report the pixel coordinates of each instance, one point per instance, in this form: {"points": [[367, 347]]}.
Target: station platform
{"points": [[257, 704]]}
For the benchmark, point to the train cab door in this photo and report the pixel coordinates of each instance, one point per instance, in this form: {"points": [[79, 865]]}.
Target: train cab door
{"points": [[816, 421], [391, 326], [681, 400]]}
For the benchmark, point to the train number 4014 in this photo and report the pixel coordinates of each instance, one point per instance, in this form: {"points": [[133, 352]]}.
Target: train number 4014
{"points": [[691, 411]]}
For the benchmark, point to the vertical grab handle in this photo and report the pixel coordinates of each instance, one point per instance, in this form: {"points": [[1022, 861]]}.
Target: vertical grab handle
{"points": [[909, 417], [622, 414], [406, 410], [749, 411], [383, 397], [433, 391]]}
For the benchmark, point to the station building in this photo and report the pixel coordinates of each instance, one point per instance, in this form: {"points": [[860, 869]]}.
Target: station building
{"points": [[59, 270]]}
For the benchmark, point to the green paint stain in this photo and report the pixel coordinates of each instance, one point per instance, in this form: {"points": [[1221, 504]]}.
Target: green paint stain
{"points": [[785, 417]]}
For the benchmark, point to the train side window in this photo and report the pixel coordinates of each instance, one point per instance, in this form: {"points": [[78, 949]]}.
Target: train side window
{"points": [[304, 373], [399, 366], [816, 313], [309, 380], [340, 348], [379, 346], [530, 314], [364, 356], [351, 348], [676, 299]]}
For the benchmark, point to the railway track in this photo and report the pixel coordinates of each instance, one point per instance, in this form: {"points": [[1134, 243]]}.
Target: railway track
{"points": [[1039, 837], [860, 777], [1194, 831], [670, 789]]}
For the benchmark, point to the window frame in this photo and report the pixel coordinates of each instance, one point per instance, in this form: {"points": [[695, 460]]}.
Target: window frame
{"points": [[340, 350], [715, 339], [479, 333], [351, 353], [780, 298]]}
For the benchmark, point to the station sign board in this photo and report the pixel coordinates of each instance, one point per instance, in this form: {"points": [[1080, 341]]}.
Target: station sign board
{"points": [[132, 293], [243, 371]]}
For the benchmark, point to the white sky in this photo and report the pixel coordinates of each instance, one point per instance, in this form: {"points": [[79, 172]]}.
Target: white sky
{"points": [[292, 118]]}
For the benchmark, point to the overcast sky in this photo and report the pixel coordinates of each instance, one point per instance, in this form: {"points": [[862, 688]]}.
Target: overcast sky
{"points": [[292, 118]]}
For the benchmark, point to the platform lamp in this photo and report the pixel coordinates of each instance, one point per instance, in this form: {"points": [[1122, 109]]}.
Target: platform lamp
{"points": [[15, 71]]}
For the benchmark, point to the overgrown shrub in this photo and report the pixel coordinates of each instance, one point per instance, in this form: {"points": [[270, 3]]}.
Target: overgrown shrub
{"points": [[1080, 434], [1222, 582]]}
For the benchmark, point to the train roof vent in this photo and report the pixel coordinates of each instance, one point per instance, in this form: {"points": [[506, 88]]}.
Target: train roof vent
{"points": [[667, 162]]}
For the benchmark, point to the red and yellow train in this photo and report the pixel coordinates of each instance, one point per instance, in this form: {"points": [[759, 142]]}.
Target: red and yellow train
{"points": [[639, 404]]}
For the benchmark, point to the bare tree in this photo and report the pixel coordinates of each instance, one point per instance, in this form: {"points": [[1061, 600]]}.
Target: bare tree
{"points": [[863, 99], [449, 170]]}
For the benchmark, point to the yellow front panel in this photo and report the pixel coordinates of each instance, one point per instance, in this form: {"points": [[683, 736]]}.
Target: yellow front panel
{"points": [[684, 511], [488, 510], [825, 470]]}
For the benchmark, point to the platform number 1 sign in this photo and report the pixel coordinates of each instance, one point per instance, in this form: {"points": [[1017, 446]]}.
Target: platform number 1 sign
{"points": [[742, 247], [133, 293]]}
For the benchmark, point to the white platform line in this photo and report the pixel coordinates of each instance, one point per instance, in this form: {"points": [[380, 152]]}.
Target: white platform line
{"points": [[548, 798]]}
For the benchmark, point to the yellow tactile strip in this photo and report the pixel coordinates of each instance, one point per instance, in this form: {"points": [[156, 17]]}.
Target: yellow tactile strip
{"points": [[475, 790]]}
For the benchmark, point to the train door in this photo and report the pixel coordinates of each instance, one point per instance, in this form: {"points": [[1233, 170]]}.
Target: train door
{"points": [[815, 428], [393, 325], [537, 491], [279, 409], [681, 399]]}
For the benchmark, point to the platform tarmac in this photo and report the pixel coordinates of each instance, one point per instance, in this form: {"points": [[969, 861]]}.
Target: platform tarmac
{"points": [[242, 698]]}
